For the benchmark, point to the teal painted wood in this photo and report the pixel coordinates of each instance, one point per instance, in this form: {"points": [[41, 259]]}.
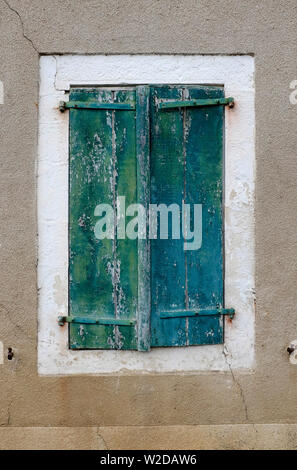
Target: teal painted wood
{"points": [[143, 197], [187, 164], [199, 102], [95, 105], [102, 276], [94, 321], [110, 156], [204, 173], [125, 250], [167, 187], [198, 312]]}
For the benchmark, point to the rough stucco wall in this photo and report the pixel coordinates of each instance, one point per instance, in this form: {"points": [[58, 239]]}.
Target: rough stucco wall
{"points": [[267, 29], [200, 437]]}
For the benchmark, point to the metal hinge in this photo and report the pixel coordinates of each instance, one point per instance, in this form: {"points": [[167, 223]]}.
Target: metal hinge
{"points": [[94, 105], [195, 102], [95, 321], [197, 313]]}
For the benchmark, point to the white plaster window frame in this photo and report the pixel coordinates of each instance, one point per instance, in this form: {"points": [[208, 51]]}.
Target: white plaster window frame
{"points": [[57, 74]]}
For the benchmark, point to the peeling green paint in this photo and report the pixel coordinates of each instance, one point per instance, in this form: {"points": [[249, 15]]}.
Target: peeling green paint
{"points": [[187, 165], [147, 155], [103, 278]]}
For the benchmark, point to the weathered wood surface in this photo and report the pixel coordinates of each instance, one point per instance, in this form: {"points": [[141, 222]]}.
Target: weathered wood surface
{"points": [[143, 197], [170, 156], [103, 275], [187, 165]]}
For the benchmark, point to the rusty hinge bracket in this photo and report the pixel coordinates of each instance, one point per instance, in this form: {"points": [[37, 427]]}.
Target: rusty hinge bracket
{"points": [[195, 103], [95, 105], [95, 321], [198, 313]]}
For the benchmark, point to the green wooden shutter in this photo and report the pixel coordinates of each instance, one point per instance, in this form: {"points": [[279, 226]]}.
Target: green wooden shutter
{"points": [[133, 294], [187, 165], [102, 274]]}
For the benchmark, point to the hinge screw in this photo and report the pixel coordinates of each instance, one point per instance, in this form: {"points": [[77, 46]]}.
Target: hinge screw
{"points": [[10, 354], [62, 106], [61, 320]]}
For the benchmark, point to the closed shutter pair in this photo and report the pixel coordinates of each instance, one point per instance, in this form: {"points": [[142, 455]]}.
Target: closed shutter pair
{"points": [[151, 145]]}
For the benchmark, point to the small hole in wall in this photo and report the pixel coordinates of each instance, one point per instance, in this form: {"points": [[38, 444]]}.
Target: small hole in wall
{"points": [[10, 354]]}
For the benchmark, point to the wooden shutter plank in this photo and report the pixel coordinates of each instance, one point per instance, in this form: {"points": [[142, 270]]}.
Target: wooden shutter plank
{"points": [[204, 172], [90, 160], [167, 177], [125, 282], [98, 138], [143, 197]]}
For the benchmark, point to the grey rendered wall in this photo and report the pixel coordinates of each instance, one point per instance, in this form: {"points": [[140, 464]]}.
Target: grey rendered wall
{"points": [[266, 29]]}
